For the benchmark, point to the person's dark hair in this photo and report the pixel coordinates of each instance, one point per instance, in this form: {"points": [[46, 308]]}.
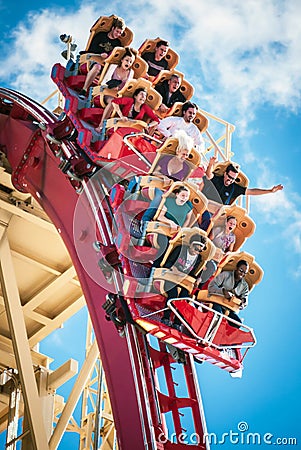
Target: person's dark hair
{"points": [[188, 105], [230, 217], [242, 262], [118, 22], [128, 52], [159, 43], [180, 189], [138, 90], [231, 168], [174, 75]]}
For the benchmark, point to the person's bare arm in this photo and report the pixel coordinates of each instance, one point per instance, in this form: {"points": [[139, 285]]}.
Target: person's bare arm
{"points": [[163, 108], [231, 247], [118, 111], [257, 191], [188, 220], [152, 124], [164, 219], [209, 170]]}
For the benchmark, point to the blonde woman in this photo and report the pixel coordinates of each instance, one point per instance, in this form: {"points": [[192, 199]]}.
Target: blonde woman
{"points": [[175, 166], [172, 166]]}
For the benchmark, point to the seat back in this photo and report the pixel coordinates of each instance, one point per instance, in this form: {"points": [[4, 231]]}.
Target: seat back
{"points": [[185, 88], [245, 226], [165, 75], [220, 167], [253, 277], [255, 274], [163, 273], [169, 148], [183, 237], [197, 199], [104, 23], [200, 120], [99, 93], [153, 99], [155, 227], [149, 45], [139, 66]]}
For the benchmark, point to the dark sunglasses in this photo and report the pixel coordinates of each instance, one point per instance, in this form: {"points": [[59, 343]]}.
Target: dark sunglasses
{"points": [[231, 178], [199, 247]]}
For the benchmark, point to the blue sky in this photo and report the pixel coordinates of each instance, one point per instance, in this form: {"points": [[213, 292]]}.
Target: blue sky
{"points": [[243, 59]]}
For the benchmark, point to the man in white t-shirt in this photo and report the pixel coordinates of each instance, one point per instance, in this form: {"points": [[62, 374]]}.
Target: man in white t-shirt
{"points": [[169, 125]]}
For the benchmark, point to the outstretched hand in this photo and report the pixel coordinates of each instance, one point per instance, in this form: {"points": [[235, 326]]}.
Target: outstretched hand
{"points": [[212, 160], [279, 187]]}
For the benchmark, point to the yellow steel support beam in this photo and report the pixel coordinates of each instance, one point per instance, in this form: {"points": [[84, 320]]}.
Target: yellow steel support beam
{"points": [[62, 374], [21, 347]]}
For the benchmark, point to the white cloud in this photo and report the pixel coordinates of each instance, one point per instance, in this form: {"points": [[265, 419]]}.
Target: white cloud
{"points": [[36, 47], [235, 53]]}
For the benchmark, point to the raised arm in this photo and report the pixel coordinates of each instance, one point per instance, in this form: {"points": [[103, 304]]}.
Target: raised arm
{"points": [[209, 170], [257, 191]]}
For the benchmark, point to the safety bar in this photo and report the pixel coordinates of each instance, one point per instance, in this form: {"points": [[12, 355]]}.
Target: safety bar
{"points": [[135, 150], [213, 326]]}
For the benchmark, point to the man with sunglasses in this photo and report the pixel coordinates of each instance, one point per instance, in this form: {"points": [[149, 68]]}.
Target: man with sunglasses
{"points": [[231, 284], [183, 260], [226, 186], [224, 189]]}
